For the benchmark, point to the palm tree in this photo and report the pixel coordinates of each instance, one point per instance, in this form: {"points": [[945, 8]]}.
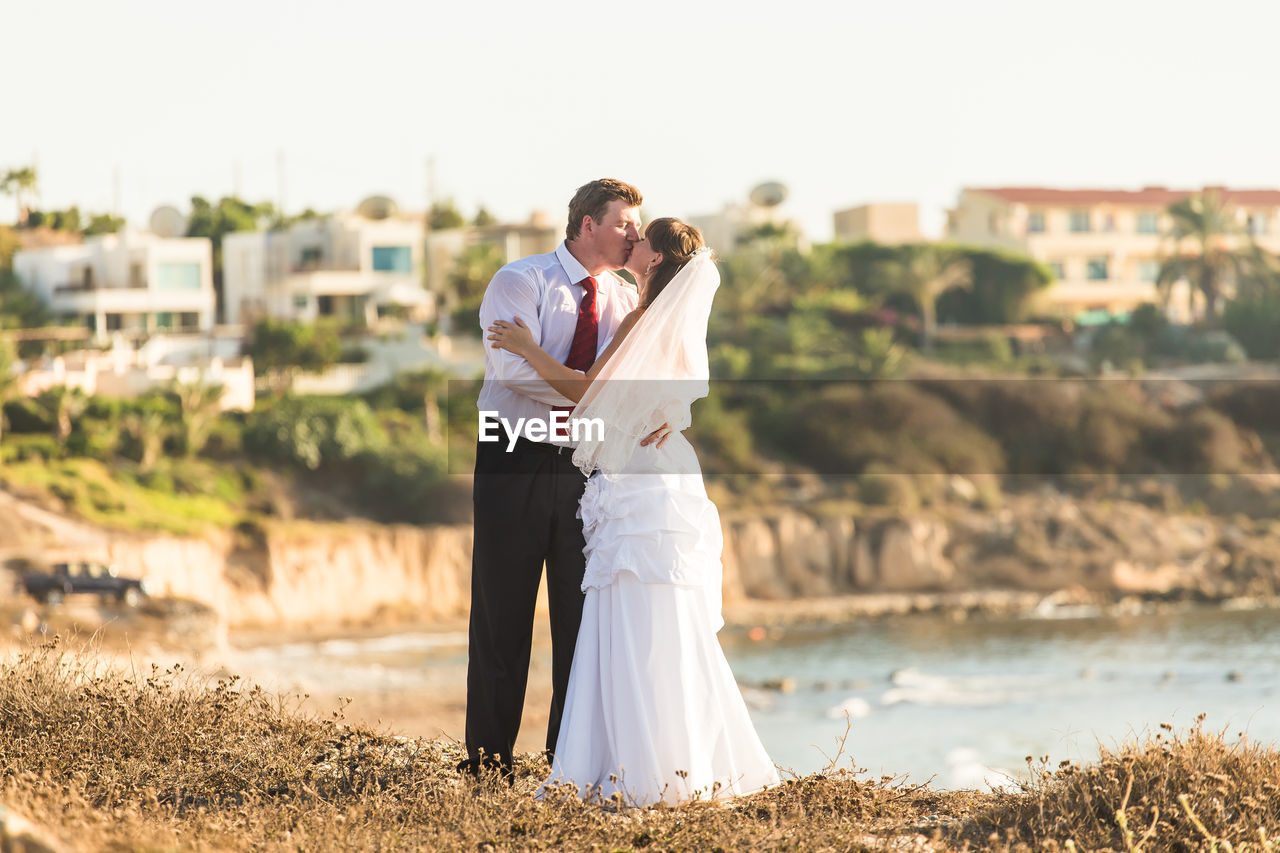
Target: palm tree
{"points": [[925, 271], [1212, 260], [149, 429], [62, 405], [21, 184], [199, 403]]}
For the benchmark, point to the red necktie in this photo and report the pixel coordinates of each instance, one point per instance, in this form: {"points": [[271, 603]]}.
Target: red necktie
{"points": [[582, 352], [586, 336]]}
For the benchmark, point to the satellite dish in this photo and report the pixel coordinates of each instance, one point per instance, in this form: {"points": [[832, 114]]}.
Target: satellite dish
{"points": [[378, 207], [769, 194], [168, 221]]}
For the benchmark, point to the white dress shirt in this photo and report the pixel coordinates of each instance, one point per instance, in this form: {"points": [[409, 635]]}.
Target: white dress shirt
{"points": [[544, 291]]}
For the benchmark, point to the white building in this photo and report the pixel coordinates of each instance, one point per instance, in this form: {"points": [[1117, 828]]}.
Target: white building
{"points": [[762, 213], [130, 282], [124, 372], [343, 266], [512, 240]]}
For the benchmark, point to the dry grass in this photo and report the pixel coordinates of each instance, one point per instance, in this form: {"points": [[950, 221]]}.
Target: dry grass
{"points": [[1194, 792], [161, 761]]}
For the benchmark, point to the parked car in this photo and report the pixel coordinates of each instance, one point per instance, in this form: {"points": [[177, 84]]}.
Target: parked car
{"points": [[101, 579]]}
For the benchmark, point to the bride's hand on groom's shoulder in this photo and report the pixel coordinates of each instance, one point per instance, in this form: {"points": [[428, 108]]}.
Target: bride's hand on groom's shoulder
{"points": [[514, 336]]}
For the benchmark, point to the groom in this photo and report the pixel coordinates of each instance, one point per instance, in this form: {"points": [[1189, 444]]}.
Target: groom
{"points": [[526, 495]]}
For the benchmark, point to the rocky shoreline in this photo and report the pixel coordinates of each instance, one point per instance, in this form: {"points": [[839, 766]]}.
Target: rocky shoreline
{"points": [[1035, 553]]}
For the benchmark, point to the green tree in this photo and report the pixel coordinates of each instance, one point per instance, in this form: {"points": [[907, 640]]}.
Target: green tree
{"points": [[483, 218], [1203, 235], [923, 272], [315, 432], [21, 183], [19, 307], [282, 349], [1001, 290], [471, 273], [103, 223], [8, 379], [149, 428], [58, 220], [215, 221], [61, 405], [444, 214], [280, 221], [199, 404]]}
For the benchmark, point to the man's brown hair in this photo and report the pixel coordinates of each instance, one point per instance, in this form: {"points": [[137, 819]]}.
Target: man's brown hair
{"points": [[593, 200]]}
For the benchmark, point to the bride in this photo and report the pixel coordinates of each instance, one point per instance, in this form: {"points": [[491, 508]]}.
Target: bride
{"points": [[653, 712]]}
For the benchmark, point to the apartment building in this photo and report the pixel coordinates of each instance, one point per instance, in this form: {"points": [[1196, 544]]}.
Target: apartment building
{"points": [[346, 266], [1103, 246], [890, 223], [131, 282]]}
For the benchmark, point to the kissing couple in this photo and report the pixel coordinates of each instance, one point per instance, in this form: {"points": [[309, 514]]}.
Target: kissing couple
{"points": [[644, 706]]}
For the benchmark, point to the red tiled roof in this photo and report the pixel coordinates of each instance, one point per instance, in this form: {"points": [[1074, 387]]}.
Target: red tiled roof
{"points": [[1147, 196]]}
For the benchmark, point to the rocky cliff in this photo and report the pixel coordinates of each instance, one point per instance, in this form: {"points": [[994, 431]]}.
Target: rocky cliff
{"points": [[303, 574]]}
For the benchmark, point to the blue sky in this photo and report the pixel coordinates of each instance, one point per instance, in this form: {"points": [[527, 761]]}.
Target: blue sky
{"points": [[695, 102]]}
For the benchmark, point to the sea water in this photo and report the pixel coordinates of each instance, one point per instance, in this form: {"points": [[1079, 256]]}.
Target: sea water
{"points": [[964, 703], [958, 704]]}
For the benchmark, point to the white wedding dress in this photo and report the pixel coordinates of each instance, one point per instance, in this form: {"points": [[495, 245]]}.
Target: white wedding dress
{"points": [[653, 712]]}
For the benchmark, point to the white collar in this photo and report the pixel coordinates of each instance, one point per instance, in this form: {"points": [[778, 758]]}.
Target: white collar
{"points": [[572, 266]]}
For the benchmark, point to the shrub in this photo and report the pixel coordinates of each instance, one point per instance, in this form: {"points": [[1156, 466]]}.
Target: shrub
{"points": [[1256, 325], [312, 432], [988, 348], [881, 487], [844, 427], [1194, 793], [1204, 442]]}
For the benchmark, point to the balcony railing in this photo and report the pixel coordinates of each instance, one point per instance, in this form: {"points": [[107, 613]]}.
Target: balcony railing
{"points": [[81, 287]]}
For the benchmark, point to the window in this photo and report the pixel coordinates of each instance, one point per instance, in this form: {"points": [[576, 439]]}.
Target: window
{"points": [[164, 320], [1035, 222], [1096, 270], [1258, 224], [1148, 223], [993, 223], [1109, 222], [1058, 269], [188, 320], [300, 301], [311, 257], [177, 276], [392, 259], [1148, 270], [1080, 222], [136, 278]]}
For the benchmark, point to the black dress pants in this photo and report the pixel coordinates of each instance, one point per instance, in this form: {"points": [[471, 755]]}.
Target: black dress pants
{"points": [[526, 505]]}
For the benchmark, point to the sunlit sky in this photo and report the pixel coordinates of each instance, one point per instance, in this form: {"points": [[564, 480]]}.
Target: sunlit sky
{"points": [[695, 101]]}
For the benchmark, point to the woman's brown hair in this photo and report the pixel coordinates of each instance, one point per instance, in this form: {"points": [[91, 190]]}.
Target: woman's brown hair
{"points": [[677, 241]]}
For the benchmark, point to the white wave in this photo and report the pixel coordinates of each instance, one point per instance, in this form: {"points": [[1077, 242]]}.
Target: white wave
{"points": [[966, 770], [918, 688], [855, 707]]}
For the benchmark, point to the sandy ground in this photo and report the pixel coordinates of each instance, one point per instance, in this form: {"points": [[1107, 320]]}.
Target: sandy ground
{"points": [[438, 710]]}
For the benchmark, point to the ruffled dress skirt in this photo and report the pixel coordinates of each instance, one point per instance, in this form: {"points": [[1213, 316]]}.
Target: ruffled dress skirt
{"points": [[653, 712]]}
